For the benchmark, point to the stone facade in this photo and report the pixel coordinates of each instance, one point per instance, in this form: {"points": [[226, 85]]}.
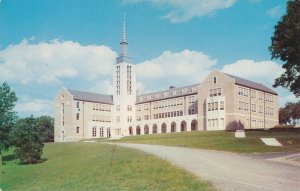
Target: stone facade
{"points": [[220, 102]]}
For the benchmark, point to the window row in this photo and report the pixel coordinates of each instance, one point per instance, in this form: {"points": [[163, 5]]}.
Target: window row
{"points": [[215, 92], [215, 106], [245, 106], [215, 122], [139, 107], [168, 103], [101, 118], [140, 118], [168, 114], [269, 111], [255, 123], [170, 93], [243, 91], [101, 132], [101, 107]]}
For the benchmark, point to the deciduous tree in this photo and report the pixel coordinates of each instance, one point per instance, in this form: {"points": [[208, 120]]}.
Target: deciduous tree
{"points": [[286, 47]]}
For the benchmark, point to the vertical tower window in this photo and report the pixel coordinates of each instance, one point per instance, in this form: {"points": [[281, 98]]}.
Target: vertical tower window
{"points": [[77, 129], [77, 104], [77, 116], [215, 80]]}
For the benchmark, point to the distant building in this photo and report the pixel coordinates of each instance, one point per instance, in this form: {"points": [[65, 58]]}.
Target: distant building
{"points": [[220, 102]]}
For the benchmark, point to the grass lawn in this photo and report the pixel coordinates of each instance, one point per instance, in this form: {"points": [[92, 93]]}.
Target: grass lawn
{"points": [[87, 166], [225, 141]]}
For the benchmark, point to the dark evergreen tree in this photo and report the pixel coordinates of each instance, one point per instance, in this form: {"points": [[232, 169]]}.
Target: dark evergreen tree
{"points": [[7, 116], [28, 140]]}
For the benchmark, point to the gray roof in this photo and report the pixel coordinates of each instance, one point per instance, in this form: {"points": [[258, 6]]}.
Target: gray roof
{"points": [[166, 94], [92, 97], [250, 84]]}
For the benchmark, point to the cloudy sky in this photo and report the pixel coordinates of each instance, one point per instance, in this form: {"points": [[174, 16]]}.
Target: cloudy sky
{"points": [[48, 44]]}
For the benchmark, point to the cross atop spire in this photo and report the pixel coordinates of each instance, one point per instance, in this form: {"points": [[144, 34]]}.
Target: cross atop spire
{"points": [[123, 57]]}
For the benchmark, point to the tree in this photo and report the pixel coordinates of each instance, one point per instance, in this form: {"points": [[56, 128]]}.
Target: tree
{"points": [[286, 47], [7, 116], [290, 113], [47, 125], [28, 140]]}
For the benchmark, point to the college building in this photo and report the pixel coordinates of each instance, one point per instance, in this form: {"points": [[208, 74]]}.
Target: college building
{"points": [[220, 102]]}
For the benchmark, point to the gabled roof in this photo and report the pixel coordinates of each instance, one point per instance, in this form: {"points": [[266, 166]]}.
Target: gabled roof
{"points": [[166, 94], [251, 84], [92, 97]]}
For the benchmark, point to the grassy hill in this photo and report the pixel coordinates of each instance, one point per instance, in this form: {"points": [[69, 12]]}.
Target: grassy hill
{"points": [[223, 140], [95, 166]]}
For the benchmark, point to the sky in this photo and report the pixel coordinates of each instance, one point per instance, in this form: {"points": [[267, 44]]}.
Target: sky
{"points": [[49, 44]]}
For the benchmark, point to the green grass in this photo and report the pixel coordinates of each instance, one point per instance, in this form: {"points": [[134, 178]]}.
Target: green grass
{"points": [[224, 141], [87, 166]]}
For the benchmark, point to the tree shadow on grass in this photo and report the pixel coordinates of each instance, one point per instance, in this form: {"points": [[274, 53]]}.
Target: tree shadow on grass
{"points": [[9, 157]]}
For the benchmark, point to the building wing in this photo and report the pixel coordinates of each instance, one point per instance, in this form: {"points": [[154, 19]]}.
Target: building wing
{"points": [[251, 84], [91, 97]]}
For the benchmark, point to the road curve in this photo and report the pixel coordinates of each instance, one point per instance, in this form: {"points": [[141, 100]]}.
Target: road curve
{"points": [[228, 171]]}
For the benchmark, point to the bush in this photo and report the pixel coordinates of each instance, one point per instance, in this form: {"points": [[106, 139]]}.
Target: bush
{"points": [[235, 125]]}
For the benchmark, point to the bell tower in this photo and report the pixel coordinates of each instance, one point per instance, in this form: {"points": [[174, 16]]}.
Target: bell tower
{"points": [[124, 82]]}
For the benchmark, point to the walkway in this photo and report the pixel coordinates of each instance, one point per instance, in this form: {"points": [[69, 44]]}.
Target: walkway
{"points": [[229, 171]]}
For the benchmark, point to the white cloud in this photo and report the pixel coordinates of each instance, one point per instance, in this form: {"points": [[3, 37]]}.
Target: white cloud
{"points": [[50, 62], [182, 11], [104, 87], [181, 68], [36, 107], [275, 12], [261, 71]]}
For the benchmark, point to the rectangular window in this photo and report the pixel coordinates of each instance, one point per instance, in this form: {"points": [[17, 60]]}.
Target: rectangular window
{"points": [[77, 104], [77, 116], [222, 122], [253, 108], [216, 105], [253, 93], [215, 80], [221, 105]]}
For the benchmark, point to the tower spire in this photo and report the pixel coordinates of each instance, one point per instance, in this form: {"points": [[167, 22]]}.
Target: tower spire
{"points": [[123, 57], [124, 28]]}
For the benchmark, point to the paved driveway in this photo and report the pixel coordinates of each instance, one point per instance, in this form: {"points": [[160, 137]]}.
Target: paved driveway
{"points": [[229, 171]]}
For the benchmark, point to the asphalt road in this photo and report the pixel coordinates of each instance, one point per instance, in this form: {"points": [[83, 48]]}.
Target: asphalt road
{"points": [[229, 171]]}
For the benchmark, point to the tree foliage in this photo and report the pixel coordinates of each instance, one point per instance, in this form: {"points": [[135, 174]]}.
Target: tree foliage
{"points": [[290, 113], [286, 47], [47, 125], [28, 140], [7, 116]]}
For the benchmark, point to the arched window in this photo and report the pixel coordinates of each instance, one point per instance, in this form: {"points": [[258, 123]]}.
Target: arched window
{"points": [[94, 132], [173, 127], [138, 130], [146, 130], [194, 125], [101, 132], [130, 131], [77, 129], [183, 126], [154, 129], [108, 132], [163, 128]]}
